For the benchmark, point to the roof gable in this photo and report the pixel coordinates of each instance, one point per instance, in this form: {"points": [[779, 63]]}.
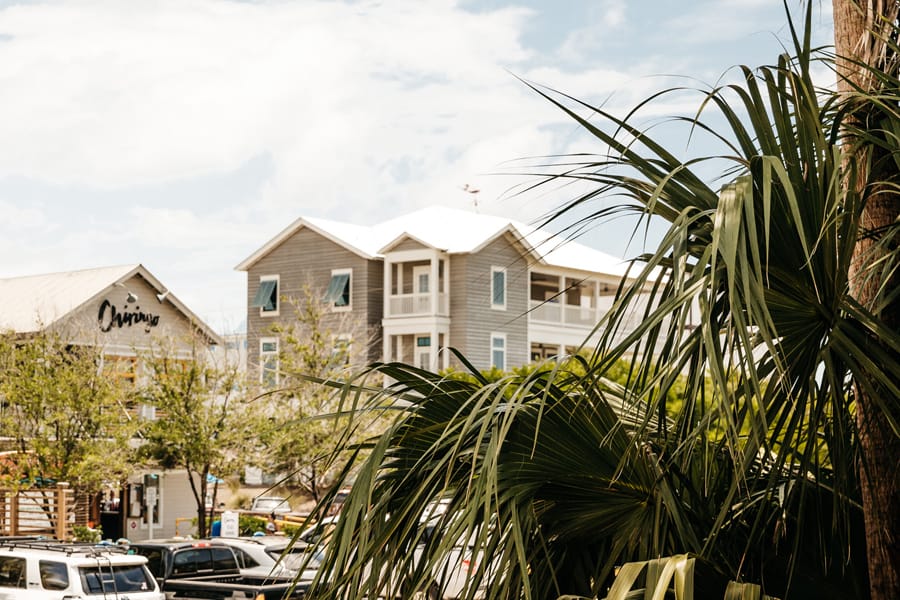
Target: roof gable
{"points": [[33, 303], [452, 231]]}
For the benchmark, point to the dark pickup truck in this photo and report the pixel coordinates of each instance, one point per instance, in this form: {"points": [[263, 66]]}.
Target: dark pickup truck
{"points": [[198, 569]]}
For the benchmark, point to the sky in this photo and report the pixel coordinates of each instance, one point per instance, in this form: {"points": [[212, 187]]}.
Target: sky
{"points": [[185, 134]]}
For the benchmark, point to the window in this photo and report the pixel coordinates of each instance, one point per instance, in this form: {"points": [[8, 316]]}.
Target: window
{"points": [[338, 294], [421, 279], [245, 561], [12, 572], [112, 579], [498, 351], [268, 362], [191, 561], [266, 298], [54, 575], [498, 288]]}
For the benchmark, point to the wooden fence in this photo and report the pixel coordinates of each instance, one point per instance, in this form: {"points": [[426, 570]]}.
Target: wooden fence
{"points": [[48, 511]]}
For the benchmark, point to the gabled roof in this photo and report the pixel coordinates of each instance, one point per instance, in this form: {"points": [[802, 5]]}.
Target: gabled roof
{"points": [[32, 303], [453, 231], [356, 238]]}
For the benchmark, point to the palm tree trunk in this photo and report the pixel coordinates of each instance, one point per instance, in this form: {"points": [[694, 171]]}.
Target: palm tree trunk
{"points": [[855, 25]]}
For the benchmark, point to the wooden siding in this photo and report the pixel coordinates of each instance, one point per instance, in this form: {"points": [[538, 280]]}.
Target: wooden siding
{"points": [[472, 320], [308, 257], [408, 244], [83, 326]]}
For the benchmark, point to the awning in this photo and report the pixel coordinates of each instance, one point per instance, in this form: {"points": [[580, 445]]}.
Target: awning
{"points": [[266, 295], [339, 290]]}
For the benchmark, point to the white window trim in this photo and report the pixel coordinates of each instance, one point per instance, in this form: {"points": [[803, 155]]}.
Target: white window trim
{"points": [[498, 336], [349, 305], [262, 355], [277, 280], [494, 305]]}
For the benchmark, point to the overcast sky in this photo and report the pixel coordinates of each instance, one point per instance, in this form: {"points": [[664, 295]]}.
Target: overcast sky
{"points": [[184, 134]]}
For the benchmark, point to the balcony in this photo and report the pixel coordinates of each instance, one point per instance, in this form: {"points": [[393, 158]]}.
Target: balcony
{"points": [[410, 305], [565, 314]]}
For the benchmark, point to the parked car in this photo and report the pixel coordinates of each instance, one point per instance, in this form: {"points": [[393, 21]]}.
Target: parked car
{"points": [[270, 504], [178, 559], [270, 555], [203, 569], [52, 570], [449, 578]]}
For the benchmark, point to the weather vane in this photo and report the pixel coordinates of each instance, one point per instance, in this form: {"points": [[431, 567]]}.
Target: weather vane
{"points": [[474, 191]]}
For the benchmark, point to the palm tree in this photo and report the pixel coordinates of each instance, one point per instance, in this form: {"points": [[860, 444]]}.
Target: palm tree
{"points": [[863, 34], [556, 476]]}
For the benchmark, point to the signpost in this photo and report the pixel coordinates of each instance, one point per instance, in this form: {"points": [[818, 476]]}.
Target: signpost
{"points": [[150, 496], [230, 527]]}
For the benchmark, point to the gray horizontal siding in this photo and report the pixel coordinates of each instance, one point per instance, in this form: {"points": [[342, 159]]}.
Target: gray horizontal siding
{"points": [[472, 318], [309, 258]]}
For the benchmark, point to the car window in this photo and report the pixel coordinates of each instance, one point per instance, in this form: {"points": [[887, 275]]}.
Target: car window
{"points": [[54, 575], [319, 532], [223, 559], [245, 561], [154, 559], [12, 572], [191, 561], [123, 578]]}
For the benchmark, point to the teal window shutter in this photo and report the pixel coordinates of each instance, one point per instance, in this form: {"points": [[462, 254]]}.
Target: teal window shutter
{"points": [[338, 292], [266, 296]]}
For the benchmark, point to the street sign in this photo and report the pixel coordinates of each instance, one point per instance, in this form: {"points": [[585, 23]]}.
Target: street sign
{"points": [[230, 526]]}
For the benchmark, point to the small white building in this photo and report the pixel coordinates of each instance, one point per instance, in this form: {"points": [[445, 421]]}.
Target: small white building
{"points": [[124, 310]]}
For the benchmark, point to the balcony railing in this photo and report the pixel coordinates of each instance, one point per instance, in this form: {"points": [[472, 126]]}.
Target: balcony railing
{"points": [[406, 305], [564, 314]]}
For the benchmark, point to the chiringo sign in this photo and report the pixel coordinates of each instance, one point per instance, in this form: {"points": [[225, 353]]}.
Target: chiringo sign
{"points": [[109, 317]]}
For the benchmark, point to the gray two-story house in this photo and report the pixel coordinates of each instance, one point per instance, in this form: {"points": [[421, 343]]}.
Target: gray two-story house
{"points": [[500, 292]]}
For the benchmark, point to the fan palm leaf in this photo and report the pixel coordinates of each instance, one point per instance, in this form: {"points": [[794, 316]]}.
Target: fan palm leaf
{"points": [[556, 476]]}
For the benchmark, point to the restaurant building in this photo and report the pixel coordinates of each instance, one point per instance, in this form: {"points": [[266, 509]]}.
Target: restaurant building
{"points": [[124, 310]]}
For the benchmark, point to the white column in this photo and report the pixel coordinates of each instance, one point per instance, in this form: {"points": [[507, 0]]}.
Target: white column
{"points": [[433, 350], [434, 288], [386, 348], [388, 277], [561, 286]]}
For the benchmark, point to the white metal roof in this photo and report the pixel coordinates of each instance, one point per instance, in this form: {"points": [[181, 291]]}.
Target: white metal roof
{"points": [[28, 304], [454, 231], [31, 303]]}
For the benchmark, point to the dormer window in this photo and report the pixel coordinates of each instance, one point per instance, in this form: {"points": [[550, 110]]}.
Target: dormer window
{"points": [[266, 298]]}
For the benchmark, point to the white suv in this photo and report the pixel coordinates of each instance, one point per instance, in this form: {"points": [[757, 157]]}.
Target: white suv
{"points": [[51, 570]]}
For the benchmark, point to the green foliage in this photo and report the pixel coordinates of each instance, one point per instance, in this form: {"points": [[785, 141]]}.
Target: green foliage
{"points": [[83, 533], [203, 422], [618, 373], [732, 435], [62, 413], [250, 524], [304, 421]]}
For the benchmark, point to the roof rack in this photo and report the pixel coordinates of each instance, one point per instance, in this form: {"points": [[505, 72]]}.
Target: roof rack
{"points": [[69, 548]]}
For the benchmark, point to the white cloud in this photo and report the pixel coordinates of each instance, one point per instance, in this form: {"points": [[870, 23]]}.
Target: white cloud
{"points": [[185, 133], [108, 95]]}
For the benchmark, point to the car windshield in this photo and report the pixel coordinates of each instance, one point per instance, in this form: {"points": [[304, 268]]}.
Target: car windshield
{"points": [[265, 504], [293, 560], [121, 578]]}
